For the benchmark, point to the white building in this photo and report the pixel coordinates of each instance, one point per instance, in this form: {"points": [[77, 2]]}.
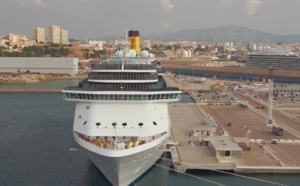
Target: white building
{"points": [[54, 34], [13, 38], [39, 65], [39, 34], [287, 91], [64, 36], [95, 42]]}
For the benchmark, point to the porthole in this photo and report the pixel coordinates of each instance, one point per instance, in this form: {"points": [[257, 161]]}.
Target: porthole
{"points": [[141, 124], [124, 124], [154, 123], [98, 124], [84, 122], [79, 116], [114, 124], [87, 107]]}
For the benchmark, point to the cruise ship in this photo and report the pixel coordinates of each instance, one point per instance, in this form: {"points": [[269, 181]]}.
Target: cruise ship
{"points": [[121, 118]]}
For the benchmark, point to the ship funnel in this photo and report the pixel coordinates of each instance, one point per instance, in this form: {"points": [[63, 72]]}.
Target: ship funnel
{"points": [[134, 40]]}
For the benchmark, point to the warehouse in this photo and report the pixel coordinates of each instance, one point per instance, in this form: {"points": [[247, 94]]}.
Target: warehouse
{"points": [[39, 65]]}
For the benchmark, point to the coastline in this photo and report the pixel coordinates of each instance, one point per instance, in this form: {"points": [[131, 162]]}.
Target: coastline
{"points": [[11, 79]]}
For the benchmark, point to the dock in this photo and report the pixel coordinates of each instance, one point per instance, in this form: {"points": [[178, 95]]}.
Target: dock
{"points": [[232, 147]]}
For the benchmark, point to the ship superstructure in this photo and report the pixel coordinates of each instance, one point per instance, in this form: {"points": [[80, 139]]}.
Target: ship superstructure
{"points": [[121, 118]]}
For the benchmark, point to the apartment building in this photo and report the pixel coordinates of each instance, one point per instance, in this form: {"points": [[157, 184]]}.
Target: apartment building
{"points": [[64, 36], [13, 38], [54, 34], [39, 34]]}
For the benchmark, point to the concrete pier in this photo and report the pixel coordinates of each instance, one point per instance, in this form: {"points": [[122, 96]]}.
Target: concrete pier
{"points": [[231, 147]]}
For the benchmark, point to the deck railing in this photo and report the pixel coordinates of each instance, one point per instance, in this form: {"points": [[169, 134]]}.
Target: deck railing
{"points": [[111, 144]]}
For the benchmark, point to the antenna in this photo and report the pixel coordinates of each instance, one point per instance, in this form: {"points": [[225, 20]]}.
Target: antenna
{"points": [[126, 43]]}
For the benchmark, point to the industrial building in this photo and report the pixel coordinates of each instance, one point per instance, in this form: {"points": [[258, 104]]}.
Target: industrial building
{"points": [[39, 65], [279, 58]]}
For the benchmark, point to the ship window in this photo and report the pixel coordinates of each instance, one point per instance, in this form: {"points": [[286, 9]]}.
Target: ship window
{"points": [[92, 96], [116, 97], [114, 124], [139, 97], [84, 122], [154, 123], [167, 96], [79, 116], [141, 124], [87, 107], [98, 124], [124, 124]]}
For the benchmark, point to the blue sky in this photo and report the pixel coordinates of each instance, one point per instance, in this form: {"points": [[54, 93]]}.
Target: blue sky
{"points": [[95, 18]]}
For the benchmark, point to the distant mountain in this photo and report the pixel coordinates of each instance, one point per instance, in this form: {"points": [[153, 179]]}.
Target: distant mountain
{"points": [[235, 34], [225, 34]]}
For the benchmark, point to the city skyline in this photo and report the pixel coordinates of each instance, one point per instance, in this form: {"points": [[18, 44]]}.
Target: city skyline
{"points": [[94, 19]]}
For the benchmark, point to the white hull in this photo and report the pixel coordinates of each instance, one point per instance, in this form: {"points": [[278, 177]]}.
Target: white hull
{"points": [[122, 171]]}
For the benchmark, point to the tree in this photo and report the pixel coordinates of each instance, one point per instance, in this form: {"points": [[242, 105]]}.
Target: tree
{"points": [[169, 47], [7, 43]]}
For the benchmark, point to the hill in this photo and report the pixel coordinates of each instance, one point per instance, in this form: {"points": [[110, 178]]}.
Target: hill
{"points": [[221, 34]]}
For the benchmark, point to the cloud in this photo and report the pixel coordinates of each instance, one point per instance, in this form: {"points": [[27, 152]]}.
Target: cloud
{"points": [[165, 24], [167, 5], [35, 3], [226, 2], [252, 6]]}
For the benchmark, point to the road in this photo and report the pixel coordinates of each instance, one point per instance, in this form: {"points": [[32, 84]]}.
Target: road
{"points": [[290, 123], [240, 117]]}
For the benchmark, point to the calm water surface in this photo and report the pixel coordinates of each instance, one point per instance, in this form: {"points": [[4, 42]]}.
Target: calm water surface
{"points": [[35, 135]]}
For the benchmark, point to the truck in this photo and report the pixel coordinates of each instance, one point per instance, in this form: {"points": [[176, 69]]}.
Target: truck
{"points": [[277, 130]]}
